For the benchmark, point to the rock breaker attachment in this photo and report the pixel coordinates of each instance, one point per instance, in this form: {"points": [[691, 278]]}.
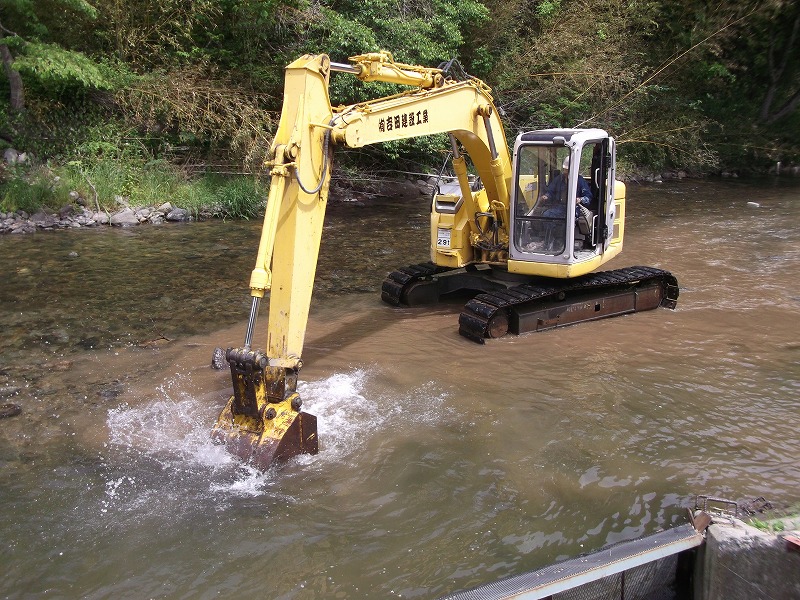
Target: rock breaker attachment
{"points": [[262, 422]]}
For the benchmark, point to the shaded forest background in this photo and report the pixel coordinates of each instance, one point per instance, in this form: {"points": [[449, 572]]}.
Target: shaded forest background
{"points": [[166, 84]]}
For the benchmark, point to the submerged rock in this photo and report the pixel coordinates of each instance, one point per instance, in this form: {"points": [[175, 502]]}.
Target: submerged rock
{"points": [[9, 410]]}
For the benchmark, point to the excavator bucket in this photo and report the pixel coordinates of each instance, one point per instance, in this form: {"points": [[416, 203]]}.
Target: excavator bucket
{"points": [[262, 422]]}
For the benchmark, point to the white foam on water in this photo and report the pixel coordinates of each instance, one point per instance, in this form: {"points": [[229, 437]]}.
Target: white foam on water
{"points": [[175, 427], [351, 409], [341, 409], [174, 430]]}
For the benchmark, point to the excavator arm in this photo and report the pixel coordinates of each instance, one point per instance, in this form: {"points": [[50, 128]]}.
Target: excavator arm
{"points": [[263, 421]]}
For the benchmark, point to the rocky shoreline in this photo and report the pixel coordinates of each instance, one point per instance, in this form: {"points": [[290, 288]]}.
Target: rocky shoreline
{"points": [[78, 215], [70, 217], [75, 216]]}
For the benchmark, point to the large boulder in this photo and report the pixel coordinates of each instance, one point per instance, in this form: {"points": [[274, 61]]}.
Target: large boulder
{"points": [[124, 218], [402, 188], [11, 156], [178, 214]]}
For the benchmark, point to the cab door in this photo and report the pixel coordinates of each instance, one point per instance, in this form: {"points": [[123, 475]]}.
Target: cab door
{"points": [[603, 174]]}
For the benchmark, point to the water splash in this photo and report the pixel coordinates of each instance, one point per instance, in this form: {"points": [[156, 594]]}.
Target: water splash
{"points": [[174, 428], [172, 434], [173, 431], [353, 407], [341, 410]]}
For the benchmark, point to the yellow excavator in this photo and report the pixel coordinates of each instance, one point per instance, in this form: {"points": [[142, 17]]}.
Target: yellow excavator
{"points": [[524, 234]]}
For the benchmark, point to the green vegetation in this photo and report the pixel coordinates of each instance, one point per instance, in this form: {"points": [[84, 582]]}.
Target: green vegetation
{"points": [[776, 521], [103, 183], [117, 96]]}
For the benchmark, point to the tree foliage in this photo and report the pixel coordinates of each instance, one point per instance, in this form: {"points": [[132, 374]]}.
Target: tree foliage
{"points": [[57, 70], [682, 83]]}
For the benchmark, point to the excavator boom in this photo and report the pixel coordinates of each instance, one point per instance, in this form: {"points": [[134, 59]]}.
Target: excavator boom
{"points": [[263, 420]]}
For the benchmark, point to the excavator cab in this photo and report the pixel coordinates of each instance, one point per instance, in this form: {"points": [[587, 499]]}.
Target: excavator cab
{"points": [[550, 229]]}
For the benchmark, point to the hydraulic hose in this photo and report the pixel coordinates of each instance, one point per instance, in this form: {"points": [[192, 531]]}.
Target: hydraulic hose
{"points": [[324, 167]]}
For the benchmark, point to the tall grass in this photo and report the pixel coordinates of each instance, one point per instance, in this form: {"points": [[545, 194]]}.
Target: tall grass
{"points": [[241, 198], [110, 183], [19, 193]]}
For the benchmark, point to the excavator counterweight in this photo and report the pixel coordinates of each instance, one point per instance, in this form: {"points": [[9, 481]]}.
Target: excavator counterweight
{"points": [[523, 233]]}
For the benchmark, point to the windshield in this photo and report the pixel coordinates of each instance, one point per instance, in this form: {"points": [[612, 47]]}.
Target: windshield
{"points": [[540, 223]]}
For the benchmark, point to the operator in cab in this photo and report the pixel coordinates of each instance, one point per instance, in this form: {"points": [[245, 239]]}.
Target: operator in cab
{"points": [[556, 192]]}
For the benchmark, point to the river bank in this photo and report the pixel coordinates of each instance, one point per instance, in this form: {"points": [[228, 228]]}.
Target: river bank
{"points": [[68, 217], [78, 214]]}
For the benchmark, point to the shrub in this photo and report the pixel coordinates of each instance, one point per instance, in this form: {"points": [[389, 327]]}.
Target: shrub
{"points": [[31, 189], [241, 198]]}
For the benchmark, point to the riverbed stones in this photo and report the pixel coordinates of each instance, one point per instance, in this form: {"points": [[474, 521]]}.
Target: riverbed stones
{"points": [[65, 211], [76, 215], [22, 227], [6, 391], [44, 220], [14, 157]]}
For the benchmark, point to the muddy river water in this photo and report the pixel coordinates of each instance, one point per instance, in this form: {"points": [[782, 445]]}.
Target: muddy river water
{"points": [[443, 464]]}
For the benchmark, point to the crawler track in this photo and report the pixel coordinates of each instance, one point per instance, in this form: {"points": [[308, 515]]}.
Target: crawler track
{"points": [[547, 303], [483, 316], [397, 282]]}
